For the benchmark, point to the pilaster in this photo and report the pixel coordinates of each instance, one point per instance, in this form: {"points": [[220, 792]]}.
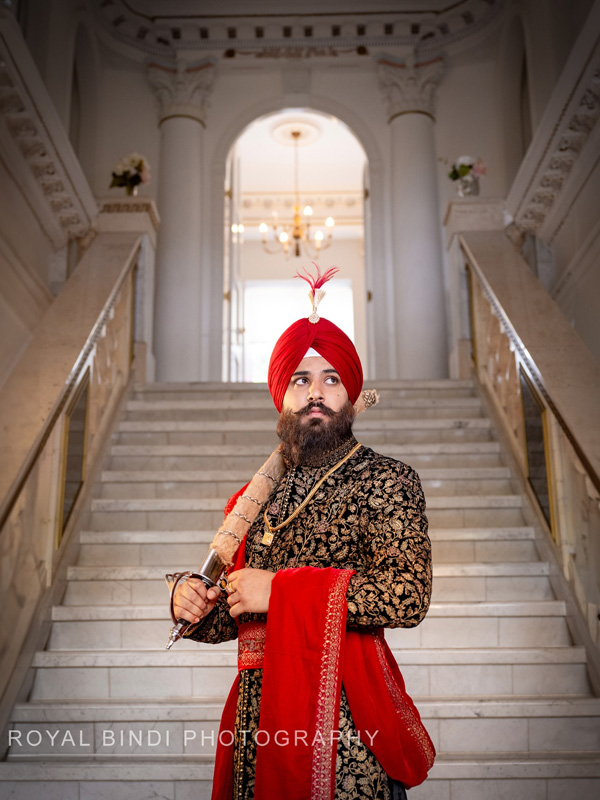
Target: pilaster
{"points": [[182, 316], [409, 87], [409, 90], [182, 90]]}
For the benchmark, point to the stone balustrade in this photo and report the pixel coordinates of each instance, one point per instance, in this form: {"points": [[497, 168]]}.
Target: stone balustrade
{"points": [[57, 409], [544, 385]]}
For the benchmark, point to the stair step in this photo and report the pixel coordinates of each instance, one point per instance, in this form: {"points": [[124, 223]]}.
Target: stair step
{"points": [[435, 387], [457, 727], [256, 410], [202, 672], [219, 451], [146, 585], [217, 504], [118, 490], [241, 476], [547, 608], [244, 426], [226, 655], [139, 548], [475, 778], [195, 709], [523, 533], [109, 627], [460, 726], [264, 402], [528, 569], [249, 457]]}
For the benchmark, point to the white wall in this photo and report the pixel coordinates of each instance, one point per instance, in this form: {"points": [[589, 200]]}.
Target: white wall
{"points": [[469, 121]]}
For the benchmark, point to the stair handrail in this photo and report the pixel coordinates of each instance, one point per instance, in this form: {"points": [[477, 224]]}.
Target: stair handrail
{"points": [[527, 356], [71, 377], [9, 494], [578, 441]]}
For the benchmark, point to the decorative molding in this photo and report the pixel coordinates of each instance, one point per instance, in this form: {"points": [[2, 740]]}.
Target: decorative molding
{"points": [[409, 87], [293, 34], [132, 206], [182, 91], [35, 147], [284, 201], [554, 170]]}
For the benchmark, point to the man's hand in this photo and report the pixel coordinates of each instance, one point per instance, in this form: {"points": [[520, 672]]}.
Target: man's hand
{"points": [[193, 601], [251, 591]]}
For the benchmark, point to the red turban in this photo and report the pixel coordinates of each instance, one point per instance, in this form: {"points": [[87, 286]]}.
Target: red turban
{"points": [[329, 341]]}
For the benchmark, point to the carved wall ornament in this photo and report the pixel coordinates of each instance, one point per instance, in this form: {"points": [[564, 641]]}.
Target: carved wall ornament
{"points": [[182, 90], [409, 87], [41, 157], [565, 145]]}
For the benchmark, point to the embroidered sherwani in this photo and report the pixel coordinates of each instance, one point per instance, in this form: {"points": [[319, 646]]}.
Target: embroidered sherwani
{"points": [[368, 516]]}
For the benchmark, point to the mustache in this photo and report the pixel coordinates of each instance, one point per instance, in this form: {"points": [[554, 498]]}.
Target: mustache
{"points": [[321, 406]]}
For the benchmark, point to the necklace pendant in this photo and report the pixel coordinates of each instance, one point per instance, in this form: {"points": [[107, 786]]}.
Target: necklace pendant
{"points": [[267, 538]]}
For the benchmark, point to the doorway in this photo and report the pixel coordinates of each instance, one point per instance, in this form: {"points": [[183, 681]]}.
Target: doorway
{"points": [[269, 175]]}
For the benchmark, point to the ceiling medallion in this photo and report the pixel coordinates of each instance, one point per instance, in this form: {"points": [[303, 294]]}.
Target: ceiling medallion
{"points": [[294, 132]]}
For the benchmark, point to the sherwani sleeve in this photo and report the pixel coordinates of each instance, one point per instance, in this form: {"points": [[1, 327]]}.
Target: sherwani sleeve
{"points": [[218, 626], [392, 587]]}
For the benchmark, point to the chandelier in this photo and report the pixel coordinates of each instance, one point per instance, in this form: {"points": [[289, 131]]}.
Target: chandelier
{"points": [[296, 237]]}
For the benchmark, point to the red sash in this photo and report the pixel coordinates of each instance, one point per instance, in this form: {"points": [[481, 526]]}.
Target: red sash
{"points": [[307, 654]]}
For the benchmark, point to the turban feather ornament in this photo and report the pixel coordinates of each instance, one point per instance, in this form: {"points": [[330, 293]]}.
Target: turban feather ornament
{"points": [[327, 339]]}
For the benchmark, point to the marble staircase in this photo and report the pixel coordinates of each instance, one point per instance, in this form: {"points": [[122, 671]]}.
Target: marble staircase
{"points": [[499, 682]]}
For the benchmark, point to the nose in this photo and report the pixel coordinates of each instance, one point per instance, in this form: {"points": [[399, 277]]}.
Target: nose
{"points": [[315, 391]]}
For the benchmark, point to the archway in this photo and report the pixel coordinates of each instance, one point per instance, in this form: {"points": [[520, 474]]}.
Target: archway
{"points": [[278, 159]]}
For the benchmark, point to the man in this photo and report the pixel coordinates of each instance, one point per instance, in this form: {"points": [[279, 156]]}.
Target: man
{"points": [[337, 552]]}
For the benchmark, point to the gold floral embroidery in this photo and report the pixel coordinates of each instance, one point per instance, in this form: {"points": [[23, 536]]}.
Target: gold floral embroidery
{"points": [[369, 516], [414, 725], [251, 645], [323, 762]]}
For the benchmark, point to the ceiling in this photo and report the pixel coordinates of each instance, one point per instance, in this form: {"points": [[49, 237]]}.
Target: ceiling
{"points": [[154, 9], [276, 28]]}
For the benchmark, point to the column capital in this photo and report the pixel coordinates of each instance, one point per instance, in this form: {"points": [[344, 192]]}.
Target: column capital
{"points": [[409, 87], [182, 90]]}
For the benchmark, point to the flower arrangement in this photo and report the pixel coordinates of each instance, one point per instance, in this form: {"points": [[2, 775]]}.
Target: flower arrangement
{"points": [[130, 172], [466, 165]]}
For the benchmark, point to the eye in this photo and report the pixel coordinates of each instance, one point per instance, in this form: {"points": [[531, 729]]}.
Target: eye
{"points": [[300, 381], [332, 379]]}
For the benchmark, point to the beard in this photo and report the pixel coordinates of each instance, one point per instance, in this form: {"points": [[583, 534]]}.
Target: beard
{"points": [[307, 439]]}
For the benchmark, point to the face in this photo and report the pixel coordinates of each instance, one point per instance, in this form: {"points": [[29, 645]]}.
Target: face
{"points": [[317, 415], [316, 381]]}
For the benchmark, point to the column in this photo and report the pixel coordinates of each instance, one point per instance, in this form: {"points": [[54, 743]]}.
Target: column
{"points": [[181, 92], [409, 90]]}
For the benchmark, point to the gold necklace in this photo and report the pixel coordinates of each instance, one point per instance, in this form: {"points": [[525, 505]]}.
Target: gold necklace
{"points": [[268, 537]]}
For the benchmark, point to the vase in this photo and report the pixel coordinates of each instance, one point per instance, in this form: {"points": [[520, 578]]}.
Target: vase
{"points": [[131, 191], [468, 186]]}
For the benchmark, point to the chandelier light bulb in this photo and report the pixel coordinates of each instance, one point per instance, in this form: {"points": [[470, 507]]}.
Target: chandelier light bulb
{"points": [[240, 228], [330, 222], [283, 237], [263, 227], [234, 228], [307, 211], [319, 236]]}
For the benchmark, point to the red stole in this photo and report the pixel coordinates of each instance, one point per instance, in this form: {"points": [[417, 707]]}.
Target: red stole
{"points": [[307, 655]]}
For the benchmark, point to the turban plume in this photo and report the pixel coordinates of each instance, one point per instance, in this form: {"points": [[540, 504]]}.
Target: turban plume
{"points": [[329, 341]]}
